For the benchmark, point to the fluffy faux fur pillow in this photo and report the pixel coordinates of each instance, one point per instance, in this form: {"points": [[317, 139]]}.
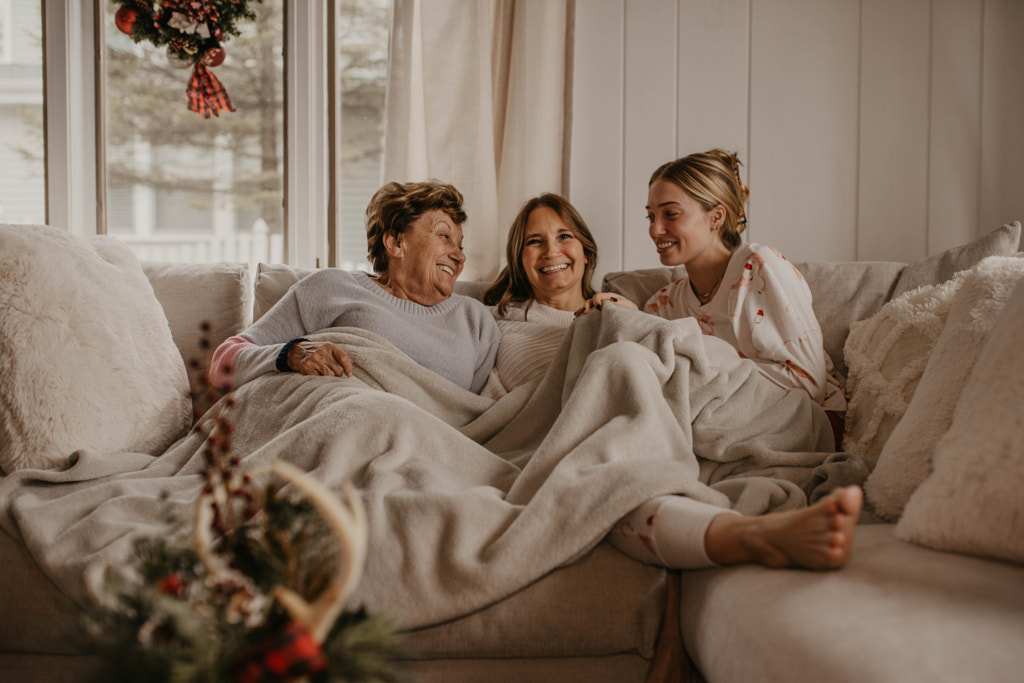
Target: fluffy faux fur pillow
{"points": [[886, 355], [972, 500], [86, 356], [906, 457]]}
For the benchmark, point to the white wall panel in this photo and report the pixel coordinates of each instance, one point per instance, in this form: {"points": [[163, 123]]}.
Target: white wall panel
{"points": [[803, 127], [595, 166], [869, 129], [1002, 144], [954, 144], [650, 115], [714, 78], [895, 64]]}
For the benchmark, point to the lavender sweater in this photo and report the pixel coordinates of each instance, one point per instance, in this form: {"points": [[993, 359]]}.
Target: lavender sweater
{"points": [[456, 338]]}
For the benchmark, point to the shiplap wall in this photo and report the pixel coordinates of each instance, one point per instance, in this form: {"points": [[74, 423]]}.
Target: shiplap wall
{"points": [[869, 129]]}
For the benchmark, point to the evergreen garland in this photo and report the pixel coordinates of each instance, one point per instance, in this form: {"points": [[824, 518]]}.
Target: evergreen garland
{"points": [[153, 22], [193, 31]]}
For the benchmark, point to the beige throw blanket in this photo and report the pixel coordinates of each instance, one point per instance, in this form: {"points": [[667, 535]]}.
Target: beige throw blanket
{"points": [[469, 499]]}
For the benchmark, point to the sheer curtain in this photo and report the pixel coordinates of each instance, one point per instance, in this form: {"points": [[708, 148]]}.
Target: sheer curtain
{"points": [[478, 96]]}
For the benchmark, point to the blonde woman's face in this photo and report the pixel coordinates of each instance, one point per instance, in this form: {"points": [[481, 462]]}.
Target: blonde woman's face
{"points": [[682, 230]]}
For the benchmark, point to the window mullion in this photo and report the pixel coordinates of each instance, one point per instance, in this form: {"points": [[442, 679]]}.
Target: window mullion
{"points": [[306, 160], [70, 105]]}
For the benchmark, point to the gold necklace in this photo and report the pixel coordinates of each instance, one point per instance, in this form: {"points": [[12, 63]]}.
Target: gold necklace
{"points": [[704, 298]]}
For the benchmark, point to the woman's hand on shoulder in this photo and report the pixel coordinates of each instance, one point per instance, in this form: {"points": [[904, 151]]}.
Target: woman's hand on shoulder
{"points": [[595, 303], [319, 358]]}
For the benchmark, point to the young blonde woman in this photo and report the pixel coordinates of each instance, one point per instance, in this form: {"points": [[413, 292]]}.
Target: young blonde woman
{"points": [[551, 256], [747, 294]]}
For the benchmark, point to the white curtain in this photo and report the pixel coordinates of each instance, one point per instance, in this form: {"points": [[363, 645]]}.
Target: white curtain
{"points": [[479, 96]]}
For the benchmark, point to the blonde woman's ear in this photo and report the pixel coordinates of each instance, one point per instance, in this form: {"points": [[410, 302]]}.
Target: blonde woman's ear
{"points": [[718, 216]]}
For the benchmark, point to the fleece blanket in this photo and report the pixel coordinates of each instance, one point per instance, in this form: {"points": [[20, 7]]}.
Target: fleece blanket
{"points": [[469, 499]]}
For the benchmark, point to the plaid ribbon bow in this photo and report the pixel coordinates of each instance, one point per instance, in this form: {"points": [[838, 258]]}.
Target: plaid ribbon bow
{"points": [[206, 94]]}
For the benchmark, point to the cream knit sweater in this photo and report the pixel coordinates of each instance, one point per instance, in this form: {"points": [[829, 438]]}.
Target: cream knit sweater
{"points": [[529, 341]]}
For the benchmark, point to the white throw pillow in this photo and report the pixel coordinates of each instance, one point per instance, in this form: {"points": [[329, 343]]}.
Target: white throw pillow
{"points": [[886, 355], [906, 457], [972, 502], [86, 356]]}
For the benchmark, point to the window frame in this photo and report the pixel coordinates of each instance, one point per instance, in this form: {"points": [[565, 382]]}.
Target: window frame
{"points": [[73, 116]]}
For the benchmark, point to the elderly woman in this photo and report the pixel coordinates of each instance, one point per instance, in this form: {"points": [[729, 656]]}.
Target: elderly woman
{"points": [[551, 256], [414, 236]]}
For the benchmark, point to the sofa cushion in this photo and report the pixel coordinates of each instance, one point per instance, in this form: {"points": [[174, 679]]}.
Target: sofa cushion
{"points": [[89, 366], [272, 281], [886, 355], [219, 294], [39, 617], [906, 457], [561, 615], [568, 613], [1003, 241], [844, 293], [895, 612], [972, 500]]}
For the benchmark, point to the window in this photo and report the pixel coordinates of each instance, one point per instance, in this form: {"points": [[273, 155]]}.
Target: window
{"points": [[22, 181], [180, 187], [361, 39], [251, 185]]}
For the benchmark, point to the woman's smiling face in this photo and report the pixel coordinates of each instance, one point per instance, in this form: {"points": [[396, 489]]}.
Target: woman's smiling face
{"points": [[683, 231], [429, 259], [553, 259]]}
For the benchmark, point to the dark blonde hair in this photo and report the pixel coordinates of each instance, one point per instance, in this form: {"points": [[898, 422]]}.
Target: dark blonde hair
{"points": [[512, 284], [396, 206], [712, 178]]}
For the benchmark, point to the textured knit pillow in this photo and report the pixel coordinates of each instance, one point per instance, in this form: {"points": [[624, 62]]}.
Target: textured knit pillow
{"points": [[906, 457], [86, 356], [886, 355], [972, 501]]}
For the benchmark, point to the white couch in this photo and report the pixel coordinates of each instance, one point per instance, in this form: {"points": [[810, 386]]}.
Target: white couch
{"points": [[900, 611]]}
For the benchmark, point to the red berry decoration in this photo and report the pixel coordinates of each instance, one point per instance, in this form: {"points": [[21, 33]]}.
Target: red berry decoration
{"points": [[125, 19], [214, 56], [286, 656]]}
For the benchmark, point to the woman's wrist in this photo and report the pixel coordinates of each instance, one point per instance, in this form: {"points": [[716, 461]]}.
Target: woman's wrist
{"points": [[282, 358]]}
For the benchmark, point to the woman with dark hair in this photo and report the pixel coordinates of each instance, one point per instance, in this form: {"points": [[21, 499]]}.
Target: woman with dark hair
{"points": [[414, 238], [550, 256]]}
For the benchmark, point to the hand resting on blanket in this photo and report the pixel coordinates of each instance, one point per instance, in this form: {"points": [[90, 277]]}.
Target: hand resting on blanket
{"points": [[319, 358]]}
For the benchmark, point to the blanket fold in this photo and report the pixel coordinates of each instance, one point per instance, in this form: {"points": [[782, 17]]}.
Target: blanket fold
{"points": [[470, 499]]}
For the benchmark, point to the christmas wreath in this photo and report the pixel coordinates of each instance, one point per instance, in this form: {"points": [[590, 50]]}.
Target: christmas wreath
{"points": [[194, 32]]}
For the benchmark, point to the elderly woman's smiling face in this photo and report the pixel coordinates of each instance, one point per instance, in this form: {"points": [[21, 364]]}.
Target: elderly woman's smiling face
{"points": [[425, 260]]}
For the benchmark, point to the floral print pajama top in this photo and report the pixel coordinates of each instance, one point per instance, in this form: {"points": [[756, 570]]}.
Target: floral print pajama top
{"points": [[763, 308]]}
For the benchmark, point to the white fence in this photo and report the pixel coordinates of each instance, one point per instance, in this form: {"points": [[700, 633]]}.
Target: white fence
{"points": [[253, 247]]}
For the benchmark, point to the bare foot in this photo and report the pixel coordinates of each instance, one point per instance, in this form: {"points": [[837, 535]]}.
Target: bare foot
{"points": [[815, 537]]}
